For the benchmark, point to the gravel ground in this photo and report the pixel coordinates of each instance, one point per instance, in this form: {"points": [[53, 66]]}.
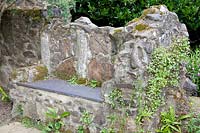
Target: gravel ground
{"points": [[5, 112]]}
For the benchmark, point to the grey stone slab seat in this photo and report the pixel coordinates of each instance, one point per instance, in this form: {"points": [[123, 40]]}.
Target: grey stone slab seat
{"points": [[65, 88]]}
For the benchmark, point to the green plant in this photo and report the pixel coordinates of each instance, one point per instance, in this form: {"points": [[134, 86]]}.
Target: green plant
{"points": [[56, 121], [86, 119], [73, 80], [93, 83], [60, 7], [108, 130], [164, 72], [19, 110], [116, 99], [170, 123], [55, 8], [193, 67], [4, 96], [194, 125], [117, 120], [84, 81], [29, 123]]}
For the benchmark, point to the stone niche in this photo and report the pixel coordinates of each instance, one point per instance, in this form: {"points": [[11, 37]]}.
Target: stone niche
{"points": [[19, 40]]}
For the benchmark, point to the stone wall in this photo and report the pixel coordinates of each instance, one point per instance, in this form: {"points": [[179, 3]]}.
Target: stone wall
{"points": [[35, 104], [115, 55]]}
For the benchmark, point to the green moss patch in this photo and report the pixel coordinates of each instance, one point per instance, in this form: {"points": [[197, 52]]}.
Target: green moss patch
{"points": [[42, 73], [141, 27]]}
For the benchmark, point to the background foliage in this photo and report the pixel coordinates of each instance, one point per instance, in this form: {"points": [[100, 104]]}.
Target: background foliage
{"points": [[118, 12]]}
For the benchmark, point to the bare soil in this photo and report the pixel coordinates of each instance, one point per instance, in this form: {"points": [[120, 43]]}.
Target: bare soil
{"points": [[5, 112]]}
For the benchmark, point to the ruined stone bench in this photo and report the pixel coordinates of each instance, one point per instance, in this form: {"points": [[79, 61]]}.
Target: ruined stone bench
{"points": [[35, 98]]}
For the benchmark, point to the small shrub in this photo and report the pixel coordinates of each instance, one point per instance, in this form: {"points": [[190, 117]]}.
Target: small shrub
{"points": [[193, 68], [56, 121], [170, 123], [86, 120], [60, 8]]}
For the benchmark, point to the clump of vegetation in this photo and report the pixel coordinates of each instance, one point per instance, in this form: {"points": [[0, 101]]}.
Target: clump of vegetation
{"points": [[86, 120], [193, 68], [42, 73], [116, 99], [164, 72], [55, 122], [171, 123], [60, 8], [29, 123], [123, 11], [4, 96], [194, 125], [84, 81], [117, 120]]}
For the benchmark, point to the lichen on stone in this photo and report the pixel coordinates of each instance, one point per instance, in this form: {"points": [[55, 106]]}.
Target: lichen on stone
{"points": [[141, 27]]}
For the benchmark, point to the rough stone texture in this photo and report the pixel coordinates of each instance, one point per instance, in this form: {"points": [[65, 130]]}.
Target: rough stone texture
{"points": [[103, 71], [66, 68], [186, 83], [28, 74], [36, 102], [82, 41], [107, 53], [19, 41]]}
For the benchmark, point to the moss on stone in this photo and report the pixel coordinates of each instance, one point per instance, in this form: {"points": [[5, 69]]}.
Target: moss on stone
{"points": [[41, 74], [34, 14], [61, 75], [14, 74], [82, 81], [141, 27]]}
